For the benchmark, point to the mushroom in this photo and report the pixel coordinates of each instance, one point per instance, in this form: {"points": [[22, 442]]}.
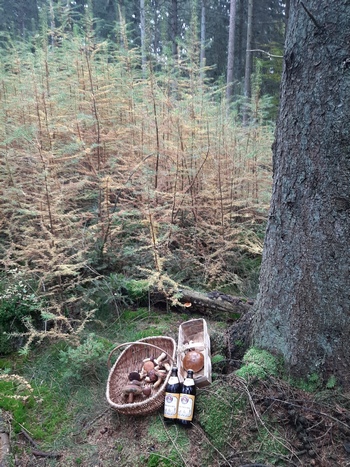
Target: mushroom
{"points": [[131, 390], [193, 360], [147, 390], [134, 376], [166, 365], [151, 376], [159, 359], [148, 366], [161, 375]]}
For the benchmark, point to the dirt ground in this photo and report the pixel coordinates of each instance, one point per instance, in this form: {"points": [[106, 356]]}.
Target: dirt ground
{"points": [[313, 431], [276, 425]]}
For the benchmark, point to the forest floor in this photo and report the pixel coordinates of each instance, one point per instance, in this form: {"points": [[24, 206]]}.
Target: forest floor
{"points": [[238, 422]]}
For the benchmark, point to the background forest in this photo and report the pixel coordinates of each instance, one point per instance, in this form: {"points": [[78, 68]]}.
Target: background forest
{"points": [[127, 166], [122, 158]]}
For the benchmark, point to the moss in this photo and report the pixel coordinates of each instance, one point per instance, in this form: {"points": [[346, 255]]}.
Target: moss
{"points": [[42, 413], [258, 363], [216, 409], [158, 434], [331, 383], [311, 384], [269, 445]]}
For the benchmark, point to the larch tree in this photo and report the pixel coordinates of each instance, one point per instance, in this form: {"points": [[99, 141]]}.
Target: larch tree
{"points": [[303, 307]]}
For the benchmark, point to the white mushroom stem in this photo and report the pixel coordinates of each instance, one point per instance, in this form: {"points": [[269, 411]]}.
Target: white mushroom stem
{"points": [[161, 357], [158, 382], [143, 373]]}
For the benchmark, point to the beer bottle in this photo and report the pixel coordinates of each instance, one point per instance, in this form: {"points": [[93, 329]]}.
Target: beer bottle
{"points": [[186, 402], [172, 395]]}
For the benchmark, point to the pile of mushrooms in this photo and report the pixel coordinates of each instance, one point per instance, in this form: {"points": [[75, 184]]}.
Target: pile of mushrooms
{"points": [[152, 374]]}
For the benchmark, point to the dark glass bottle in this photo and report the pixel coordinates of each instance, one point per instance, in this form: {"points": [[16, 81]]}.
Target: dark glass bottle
{"points": [[185, 410], [172, 395]]}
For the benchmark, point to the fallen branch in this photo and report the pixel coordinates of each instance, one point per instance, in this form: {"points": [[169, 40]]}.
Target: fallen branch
{"points": [[36, 451]]}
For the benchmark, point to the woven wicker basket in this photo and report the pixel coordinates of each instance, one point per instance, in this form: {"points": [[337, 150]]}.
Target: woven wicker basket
{"points": [[129, 360]]}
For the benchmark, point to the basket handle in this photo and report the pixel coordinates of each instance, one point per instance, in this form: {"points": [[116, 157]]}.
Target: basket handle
{"points": [[133, 343]]}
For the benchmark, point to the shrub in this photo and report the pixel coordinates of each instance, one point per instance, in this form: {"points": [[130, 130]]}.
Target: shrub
{"points": [[18, 304], [85, 360]]}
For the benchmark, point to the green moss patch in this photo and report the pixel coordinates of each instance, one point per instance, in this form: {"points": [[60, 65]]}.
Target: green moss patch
{"points": [[258, 363]]}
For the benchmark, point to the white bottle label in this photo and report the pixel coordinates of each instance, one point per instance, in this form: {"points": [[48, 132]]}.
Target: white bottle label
{"points": [[186, 407], [170, 405]]}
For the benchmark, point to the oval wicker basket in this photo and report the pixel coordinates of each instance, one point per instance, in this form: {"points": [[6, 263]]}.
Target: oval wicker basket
{"points": [[129, 360]]}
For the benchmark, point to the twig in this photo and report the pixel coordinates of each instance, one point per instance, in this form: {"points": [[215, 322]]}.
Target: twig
{"points": [[308, 409], [97, 418], [257, 417], [36, 451], [311, 16], [45, 454], [198, 428], [264, 52]]}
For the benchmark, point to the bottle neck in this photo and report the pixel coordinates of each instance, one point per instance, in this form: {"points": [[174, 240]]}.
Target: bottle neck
{"points": [[189, 381]]}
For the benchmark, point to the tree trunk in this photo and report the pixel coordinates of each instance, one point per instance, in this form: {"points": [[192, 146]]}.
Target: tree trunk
{"points": [[173, 27], [203, 40], [231, 51], [286, 15], [143, 36], [303, 309], [248, 63]]}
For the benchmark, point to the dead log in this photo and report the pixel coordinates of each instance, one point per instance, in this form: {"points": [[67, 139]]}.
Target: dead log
{"points": [[211, 303]]}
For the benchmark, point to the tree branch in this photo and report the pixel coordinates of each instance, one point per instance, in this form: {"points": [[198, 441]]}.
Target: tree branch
{"points": [[267, 53]]}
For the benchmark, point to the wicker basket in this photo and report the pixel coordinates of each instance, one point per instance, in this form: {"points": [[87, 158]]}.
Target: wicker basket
{"points": [[130, 360], [194, 334]]}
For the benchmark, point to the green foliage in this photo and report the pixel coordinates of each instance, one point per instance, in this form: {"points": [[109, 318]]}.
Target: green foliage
{"points": [[311, 384], [86, 360], [40, 409], [16, 397], [217, 359], [259, 364], [115, 292], [332, 382], [18, 305], [159, 460]]}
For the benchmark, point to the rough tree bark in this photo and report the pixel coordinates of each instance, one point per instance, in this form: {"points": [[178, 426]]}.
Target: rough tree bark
{"points": [[303, 308]]}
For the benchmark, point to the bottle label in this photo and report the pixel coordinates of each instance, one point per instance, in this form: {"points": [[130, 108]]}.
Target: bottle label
{"points": [[173, 380], [170, 405], [186, 407]]}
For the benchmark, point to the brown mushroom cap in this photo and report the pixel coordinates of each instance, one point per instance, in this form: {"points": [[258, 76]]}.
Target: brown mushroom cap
{"points": [[148, 366], [132, 390], [193, 360], [134, 376], [147, 390], [152, 376]]}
